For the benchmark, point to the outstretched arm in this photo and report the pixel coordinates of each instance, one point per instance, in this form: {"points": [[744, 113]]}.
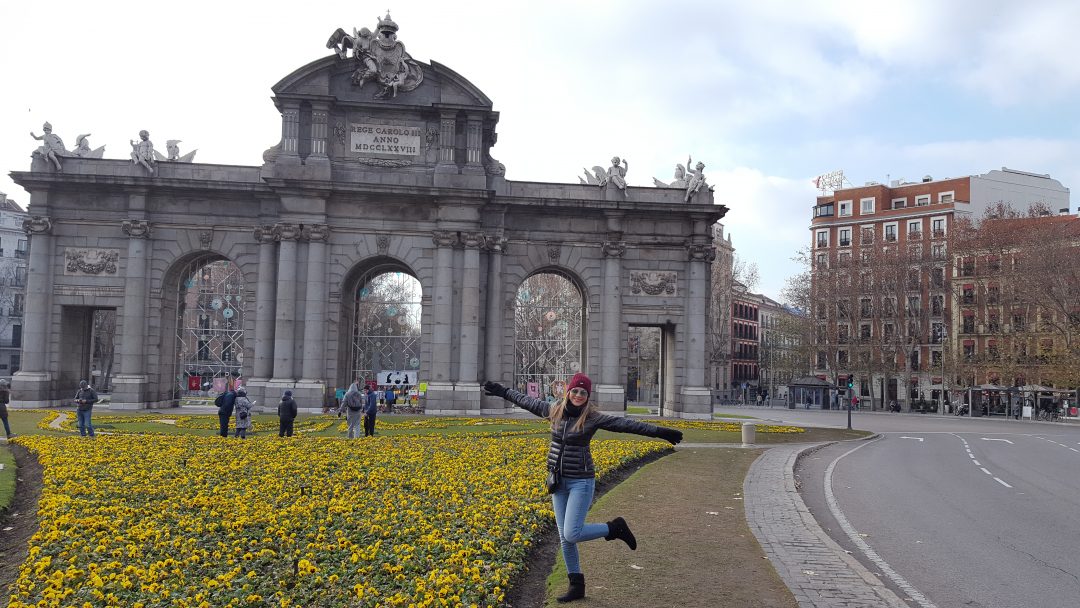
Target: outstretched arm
{"points": [[627, 425], [539, 407], [36, 137]]}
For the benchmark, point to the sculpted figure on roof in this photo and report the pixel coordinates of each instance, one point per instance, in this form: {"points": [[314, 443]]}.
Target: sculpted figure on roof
{"points": [[379, 57]]}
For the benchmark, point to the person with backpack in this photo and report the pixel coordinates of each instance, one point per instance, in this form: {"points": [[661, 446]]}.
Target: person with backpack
{"points": [[85, 399], [353, 407], [5, 397], [371, 407], [224, 403], [286, 411], [243, 413], [391, 397], [571, 473]]}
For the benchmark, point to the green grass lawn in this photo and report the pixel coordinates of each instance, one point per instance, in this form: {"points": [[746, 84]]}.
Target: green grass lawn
{"points": [[7, 477]]}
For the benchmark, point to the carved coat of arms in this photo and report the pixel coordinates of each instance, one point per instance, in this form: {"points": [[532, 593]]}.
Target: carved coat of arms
{"points": [[380, 57]]}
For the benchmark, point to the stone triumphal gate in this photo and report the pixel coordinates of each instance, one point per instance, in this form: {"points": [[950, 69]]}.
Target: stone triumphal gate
{"points": [[383, 166]]}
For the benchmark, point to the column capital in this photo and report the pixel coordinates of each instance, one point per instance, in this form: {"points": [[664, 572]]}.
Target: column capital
{"points": [[613, 249], [37, 224], [472, 240], [315, 232], [444, 238], [700, 252], [495, 243], [264, 234], [137, 229], [284, 231]]}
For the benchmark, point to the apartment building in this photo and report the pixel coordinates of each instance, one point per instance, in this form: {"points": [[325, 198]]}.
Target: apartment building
{"points": [[13, 257], [882, 276]]}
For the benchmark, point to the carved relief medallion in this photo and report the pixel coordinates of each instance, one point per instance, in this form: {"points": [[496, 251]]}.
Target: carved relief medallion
{"points": [[316, 232], [90, 262], [653, 283], [205, 238], [614, 249], [554, 253], [137, 229], [37, 225], [472, 240], [264, 233], [382, 243], [286, 232]]}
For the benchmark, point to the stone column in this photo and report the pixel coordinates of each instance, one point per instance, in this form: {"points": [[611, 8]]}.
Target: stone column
{"points": [[493, 349], [285, 304], [610, 390], [263, 367], [314, 367], [467, 388], [31, 382], [440, 394], [695, 396], [129, 386]]}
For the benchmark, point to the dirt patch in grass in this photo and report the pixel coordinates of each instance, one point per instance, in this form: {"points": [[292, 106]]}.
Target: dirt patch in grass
{"points": [[694, 547], [21, 516]]}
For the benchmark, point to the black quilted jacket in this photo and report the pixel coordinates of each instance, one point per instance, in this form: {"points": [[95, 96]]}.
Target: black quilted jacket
{"points": [[571, 445]]}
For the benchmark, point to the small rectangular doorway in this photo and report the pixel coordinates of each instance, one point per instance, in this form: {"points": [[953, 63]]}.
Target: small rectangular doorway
{"points": [[88, 337], [646, 372]]}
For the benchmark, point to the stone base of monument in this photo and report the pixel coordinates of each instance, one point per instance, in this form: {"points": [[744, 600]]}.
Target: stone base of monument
{"points": [[439, 399], [695, 403], [32, 390], [128, 392], [610, 398]]}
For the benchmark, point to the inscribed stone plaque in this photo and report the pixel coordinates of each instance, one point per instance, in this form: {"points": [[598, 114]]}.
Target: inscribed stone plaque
{"points": [[653, 283], [366, 138]]}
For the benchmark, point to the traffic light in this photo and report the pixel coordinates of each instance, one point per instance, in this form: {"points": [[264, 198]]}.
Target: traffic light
{"points": [[851, 383]]}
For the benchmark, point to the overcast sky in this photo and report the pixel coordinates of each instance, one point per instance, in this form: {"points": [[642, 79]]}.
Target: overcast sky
{"points": [[768, 93]]}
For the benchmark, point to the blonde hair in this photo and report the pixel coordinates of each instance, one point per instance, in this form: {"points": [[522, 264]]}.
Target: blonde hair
{"points": [[558, 412]]}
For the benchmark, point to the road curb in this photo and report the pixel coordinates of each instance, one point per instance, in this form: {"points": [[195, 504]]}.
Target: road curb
{"points": [[819, 573]]}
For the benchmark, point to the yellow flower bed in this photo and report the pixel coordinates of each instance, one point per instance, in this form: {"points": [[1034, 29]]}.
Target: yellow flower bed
{"points": [[182, 521], [733, 427]]}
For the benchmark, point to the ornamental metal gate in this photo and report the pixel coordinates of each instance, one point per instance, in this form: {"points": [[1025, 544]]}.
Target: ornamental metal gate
{"points": [[386, 327], [548, 331], [210, 326]]}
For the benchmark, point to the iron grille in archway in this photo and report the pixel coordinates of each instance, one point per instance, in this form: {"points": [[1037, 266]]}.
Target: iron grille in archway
{"points": [[548, 331], [386, 327], [210, 326]]}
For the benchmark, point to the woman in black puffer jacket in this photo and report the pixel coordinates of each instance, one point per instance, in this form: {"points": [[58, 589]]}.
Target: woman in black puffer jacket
{"points": [[574, 421]]}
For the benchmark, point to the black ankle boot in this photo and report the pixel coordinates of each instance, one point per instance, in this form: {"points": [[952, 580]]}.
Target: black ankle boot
{"points": [[617, 528], [576, 590]]}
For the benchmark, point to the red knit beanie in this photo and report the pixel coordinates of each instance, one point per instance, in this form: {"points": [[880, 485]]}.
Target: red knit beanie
{"points": [[580, 380]]}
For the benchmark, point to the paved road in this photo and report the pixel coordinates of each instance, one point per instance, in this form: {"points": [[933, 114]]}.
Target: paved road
{"points": [[982, 513]]}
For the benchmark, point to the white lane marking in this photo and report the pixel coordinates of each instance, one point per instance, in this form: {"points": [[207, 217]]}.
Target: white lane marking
{"points": [[971, 456], [985, 471], [906, 437], [998, 479], [1074, 449], [858, 541], [1005, 440], [977, 463]]}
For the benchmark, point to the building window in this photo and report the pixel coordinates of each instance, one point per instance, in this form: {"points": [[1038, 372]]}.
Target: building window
{"points": [[822, 260], [938, 251], [937, 278], [993, 294], [993, 323], [935, 358], [993, 263], [914, 280], [20, 250], [843, 334], [844, 259], [888, 332], [922, 201], [937, 333], [968, 324], [890, 232], [841, 310], [945, 197], [866, 235], [969, 351], [899, 203], [914, 230], [967, 295], [937, 226], [866, 308], [822, 239], [889, 307], [841, 358], [866, 206], [16, 363], [845, 237], [937, 305], [967, 267], [825, 210], [845, 209], [864, 333], [914, 307]]}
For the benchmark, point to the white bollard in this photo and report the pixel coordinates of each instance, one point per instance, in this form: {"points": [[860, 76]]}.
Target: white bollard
{"points": [[749, 433]]}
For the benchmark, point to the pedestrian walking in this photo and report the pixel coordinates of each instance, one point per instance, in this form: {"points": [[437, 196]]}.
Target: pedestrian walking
{"points": [[571, 474], [390, 398], [85, 398], [5, 398], [809, 401], [371, 408], [225, 402], [243, 413], [286, 411], [353, 407]]}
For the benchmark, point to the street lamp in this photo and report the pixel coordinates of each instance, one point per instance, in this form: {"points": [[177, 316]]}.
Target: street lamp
{"points": [[851, 398]]}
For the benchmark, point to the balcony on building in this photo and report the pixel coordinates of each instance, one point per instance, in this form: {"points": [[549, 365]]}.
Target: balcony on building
{"points": [[914, 235], [20, 253], [938, 234]]}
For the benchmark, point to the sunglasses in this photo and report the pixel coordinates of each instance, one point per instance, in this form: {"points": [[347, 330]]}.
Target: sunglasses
{"points": [[579, 392]]}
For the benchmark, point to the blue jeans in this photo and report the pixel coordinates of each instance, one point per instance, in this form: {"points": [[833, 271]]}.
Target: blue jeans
{"points": [[7, 429], [85, 427], [571, 502]]}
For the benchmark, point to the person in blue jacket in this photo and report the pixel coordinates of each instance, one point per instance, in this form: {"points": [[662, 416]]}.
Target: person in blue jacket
{"points": [[574, 421], [371, 407]]}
